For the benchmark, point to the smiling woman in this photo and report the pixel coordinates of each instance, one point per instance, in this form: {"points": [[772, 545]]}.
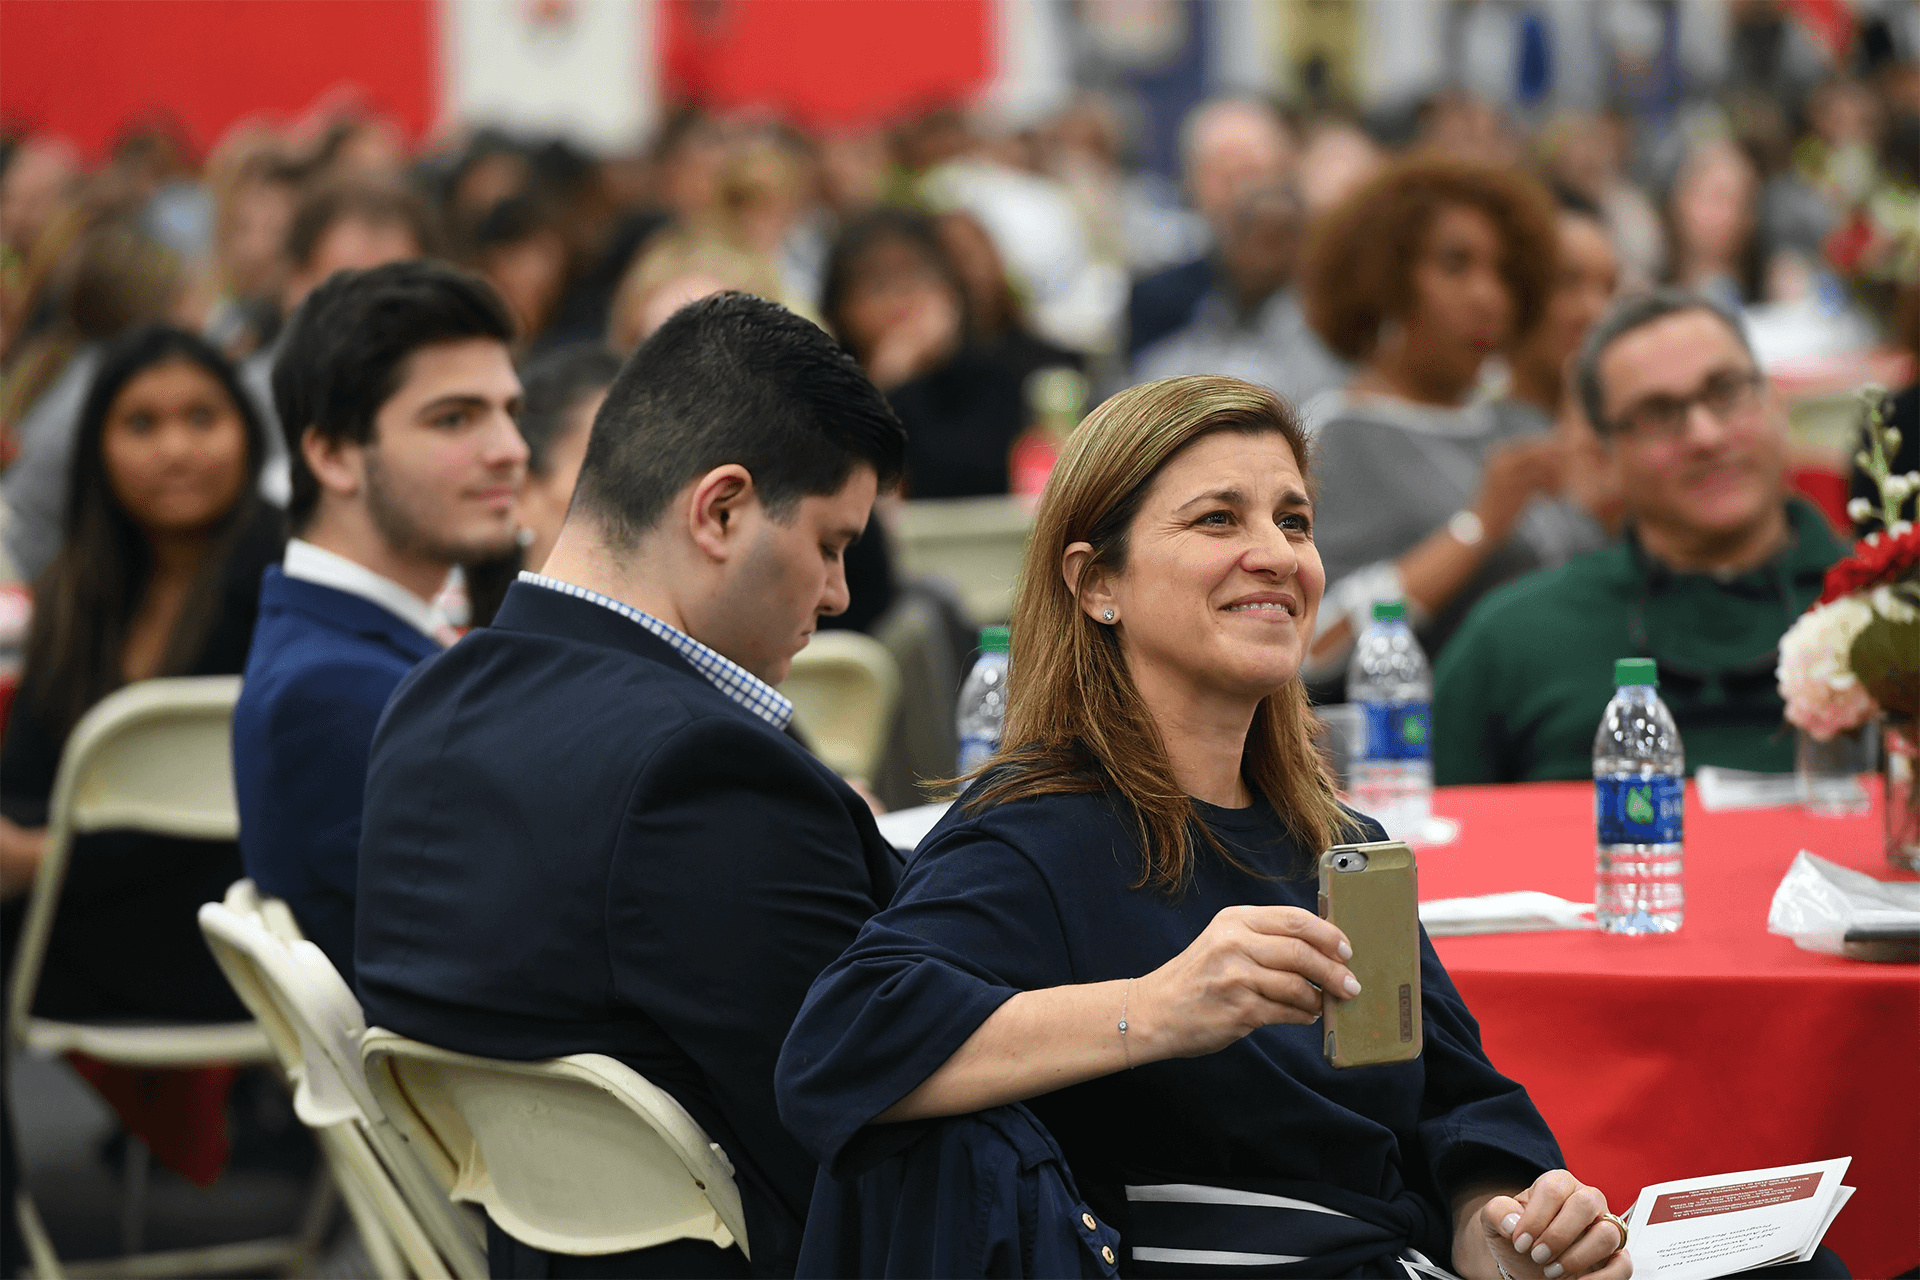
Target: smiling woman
{"points": [[158, 574], [1433, 496], [1125, 886]]}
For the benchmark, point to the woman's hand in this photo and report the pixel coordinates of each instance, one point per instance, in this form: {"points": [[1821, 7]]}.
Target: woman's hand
{"points": [[20, 850], [925, 336], [1252, 968], [1553, 1230], [1515, 472]]}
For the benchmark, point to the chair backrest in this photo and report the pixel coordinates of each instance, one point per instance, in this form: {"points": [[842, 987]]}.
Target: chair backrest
{"points": [[578, 1155], [315, 1024], [845, 687], [974, 543], [311, 1018], [155, 756]]}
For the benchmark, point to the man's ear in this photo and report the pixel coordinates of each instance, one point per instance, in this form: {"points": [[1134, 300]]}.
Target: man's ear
{"points": [[714, 508], [339, 465], [1087, 584]]}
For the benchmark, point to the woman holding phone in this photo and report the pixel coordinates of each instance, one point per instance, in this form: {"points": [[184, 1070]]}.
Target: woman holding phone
{"points": [[1116, 921]]}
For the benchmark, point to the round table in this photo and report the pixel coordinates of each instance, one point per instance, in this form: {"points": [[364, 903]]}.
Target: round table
{"points": [[1712, 1050]]}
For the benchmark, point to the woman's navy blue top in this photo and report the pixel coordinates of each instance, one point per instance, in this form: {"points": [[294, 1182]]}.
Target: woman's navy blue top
{"points": [[1039, 893]]}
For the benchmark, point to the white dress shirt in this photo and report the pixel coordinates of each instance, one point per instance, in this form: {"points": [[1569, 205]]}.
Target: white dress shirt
{"points": [[316, 564]]}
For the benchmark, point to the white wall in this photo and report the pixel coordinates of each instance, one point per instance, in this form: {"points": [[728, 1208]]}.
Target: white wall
{"points": [[584, 68]]}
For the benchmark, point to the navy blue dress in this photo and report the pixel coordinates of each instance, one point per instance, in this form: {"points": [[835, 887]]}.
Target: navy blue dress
{"points": [[1038, 893]]}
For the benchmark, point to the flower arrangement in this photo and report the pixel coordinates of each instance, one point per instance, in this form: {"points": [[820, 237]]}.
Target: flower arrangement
{"points": [[1856, 652]]}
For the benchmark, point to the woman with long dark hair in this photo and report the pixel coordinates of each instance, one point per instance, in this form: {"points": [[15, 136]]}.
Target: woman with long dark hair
{"points": [[158, 574], [894, 300]]}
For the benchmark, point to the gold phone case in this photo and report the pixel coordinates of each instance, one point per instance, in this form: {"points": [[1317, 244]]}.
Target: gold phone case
{"points": [[1378, 908]]}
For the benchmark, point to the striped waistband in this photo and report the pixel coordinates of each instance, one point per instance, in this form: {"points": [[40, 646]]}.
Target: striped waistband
{"points": [[1193, 1229]]}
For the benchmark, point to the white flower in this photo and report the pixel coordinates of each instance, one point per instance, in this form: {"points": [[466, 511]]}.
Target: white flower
{"points": [[1859, 509], [1890, 606], [1822, 695]]}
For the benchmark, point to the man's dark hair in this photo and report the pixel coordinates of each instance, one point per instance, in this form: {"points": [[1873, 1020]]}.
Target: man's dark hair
{"points": [[551, 385], [733, 378], [347, 347], [320, 209], [1636, 313]]}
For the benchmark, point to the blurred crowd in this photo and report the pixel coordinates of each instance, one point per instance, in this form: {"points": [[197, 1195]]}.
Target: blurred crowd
{"points": [[960, 259]]}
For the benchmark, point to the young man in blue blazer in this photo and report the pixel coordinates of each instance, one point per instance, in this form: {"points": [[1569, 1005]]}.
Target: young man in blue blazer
{"points": [[587, 830], [397, 397]]}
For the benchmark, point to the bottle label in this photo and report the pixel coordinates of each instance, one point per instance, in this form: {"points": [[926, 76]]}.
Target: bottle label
{"points": [[1635, 810], [1399, 731]]}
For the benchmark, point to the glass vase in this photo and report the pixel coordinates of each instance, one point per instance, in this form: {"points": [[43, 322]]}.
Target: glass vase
{"points": [[1899, 765]]}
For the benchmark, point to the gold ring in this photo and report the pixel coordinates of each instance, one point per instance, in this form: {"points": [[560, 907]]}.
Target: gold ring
{"points": [[1619, 1222]]}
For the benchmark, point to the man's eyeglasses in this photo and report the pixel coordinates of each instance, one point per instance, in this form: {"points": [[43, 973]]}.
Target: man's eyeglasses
{"points": [[1729, 395]]}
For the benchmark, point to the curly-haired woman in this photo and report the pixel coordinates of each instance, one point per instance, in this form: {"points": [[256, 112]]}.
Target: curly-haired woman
{"points": [[1418, 277]]}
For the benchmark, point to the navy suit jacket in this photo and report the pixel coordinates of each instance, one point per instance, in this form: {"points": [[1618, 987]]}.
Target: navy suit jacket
{"points": [[1164, 302], [574, 843], [322, 666]]}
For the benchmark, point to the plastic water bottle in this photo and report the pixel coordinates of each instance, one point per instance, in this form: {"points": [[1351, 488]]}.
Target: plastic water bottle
{"points": [[1392, 768], [983, 700], [1639, 769]]}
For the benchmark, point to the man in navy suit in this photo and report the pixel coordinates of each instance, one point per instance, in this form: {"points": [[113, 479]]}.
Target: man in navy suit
{"points": [[397, 397], [587, 830]]}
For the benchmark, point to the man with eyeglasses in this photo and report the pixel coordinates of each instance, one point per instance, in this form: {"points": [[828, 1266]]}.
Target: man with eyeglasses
{"points": [[1716, 562]]}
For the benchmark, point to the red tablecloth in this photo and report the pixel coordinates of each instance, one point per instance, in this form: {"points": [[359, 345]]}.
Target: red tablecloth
{"points": [[1716, 1049]]}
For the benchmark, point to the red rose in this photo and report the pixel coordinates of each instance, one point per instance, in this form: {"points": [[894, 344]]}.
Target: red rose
{"points": [[1873, 563]]}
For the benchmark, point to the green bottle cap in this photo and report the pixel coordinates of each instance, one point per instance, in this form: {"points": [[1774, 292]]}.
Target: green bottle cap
{"points": [[1389, 611], [995, 639], [1628, 671]]}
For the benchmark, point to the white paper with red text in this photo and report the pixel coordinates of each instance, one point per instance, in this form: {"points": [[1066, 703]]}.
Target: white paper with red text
{"points": [[1700, 1228]]}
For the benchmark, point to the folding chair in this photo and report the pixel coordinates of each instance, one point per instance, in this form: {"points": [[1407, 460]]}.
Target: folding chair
{"points": [[845, 687], [315, 1025], [578, 1155], [976, 544], [154, 756]]}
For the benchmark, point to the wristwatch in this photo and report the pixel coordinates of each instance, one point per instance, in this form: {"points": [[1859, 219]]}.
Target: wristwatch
{"points": [[1466, 528]]}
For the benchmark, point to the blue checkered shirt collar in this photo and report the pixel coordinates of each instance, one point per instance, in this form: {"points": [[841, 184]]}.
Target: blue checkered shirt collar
{"points": [[726, 675]]}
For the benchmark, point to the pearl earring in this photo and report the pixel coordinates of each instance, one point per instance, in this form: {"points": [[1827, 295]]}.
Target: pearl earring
{"points": [[1108, 615]]}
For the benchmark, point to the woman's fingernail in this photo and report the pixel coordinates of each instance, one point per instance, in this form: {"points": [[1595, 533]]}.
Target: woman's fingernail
{"points": [[1554, 1272], [1508, 1223], [1353, 985], [1346, 949], [1521, 1241], [1540, 1252]]}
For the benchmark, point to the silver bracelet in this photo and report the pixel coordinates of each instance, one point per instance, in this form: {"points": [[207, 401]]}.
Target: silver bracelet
{"points": [[1125, 1051]]}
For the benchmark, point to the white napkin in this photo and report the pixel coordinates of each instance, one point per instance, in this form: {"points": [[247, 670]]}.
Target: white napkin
{"points": [[1818, 904], [1723, 789], [1522, 911], [906, 828]]}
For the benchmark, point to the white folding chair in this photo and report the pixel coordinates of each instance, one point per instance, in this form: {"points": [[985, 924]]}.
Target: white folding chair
{"points": [[577, 1155], [315, 1024], [154, 756], [845, 687], [976, 544]]}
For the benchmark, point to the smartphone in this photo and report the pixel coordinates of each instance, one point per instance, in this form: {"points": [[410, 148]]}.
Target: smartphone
{"points": [[1370, 892]]}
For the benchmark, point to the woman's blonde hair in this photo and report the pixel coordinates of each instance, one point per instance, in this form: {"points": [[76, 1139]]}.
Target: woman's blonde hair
{"points": [[1075, 723]]}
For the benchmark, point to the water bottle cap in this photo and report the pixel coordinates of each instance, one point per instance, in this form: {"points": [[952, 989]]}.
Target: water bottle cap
{"points": [[995, 639], [1389, 611], [1628, 671]]}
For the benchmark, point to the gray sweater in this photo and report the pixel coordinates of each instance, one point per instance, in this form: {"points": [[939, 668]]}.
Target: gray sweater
{"points": [[1391, 472]]}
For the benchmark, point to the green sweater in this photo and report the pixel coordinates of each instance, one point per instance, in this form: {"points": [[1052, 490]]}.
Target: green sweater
{"points": [[1520, 687]]}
